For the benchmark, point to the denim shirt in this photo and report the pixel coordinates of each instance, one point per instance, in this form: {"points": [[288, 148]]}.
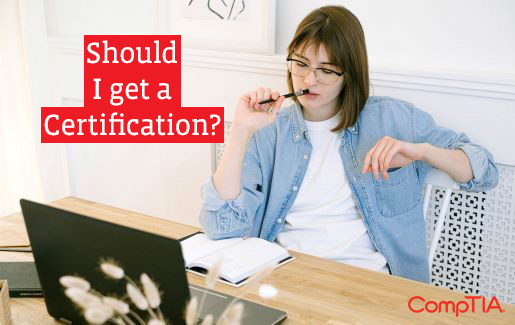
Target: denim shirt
{"points": [[277, 157]]}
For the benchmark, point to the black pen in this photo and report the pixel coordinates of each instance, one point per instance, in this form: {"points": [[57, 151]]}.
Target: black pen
{"points": [[297, 93]]}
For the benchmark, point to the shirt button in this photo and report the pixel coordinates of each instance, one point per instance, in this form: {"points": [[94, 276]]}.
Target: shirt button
{"points": [[305, 156], [295, 188], [279, 220]]}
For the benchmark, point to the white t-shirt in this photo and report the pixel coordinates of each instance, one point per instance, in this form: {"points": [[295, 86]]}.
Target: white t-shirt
{"points": [[324, 220]]}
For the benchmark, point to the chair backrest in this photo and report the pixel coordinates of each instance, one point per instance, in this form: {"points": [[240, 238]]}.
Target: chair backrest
{"points": [[476, 249], [437, 177], [217, 149]]}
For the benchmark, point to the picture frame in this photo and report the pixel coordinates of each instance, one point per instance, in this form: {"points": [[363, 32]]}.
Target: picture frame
{"points": [[226, 25]]}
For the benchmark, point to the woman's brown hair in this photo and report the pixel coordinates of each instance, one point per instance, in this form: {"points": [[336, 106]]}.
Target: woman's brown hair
{"points": [[342, 35]]}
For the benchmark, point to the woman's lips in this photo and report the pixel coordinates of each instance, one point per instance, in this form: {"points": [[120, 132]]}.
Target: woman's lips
{"points": [[311, 96]]}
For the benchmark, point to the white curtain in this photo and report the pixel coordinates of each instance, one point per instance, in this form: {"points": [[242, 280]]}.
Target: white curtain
{"points": [[25, 171]]}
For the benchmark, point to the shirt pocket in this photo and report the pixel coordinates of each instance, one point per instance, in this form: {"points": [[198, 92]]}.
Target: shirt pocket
{"points": [[400, 193]]}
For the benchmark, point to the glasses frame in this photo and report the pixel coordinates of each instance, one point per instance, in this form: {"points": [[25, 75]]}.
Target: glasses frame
{"points": [[290, 59]]}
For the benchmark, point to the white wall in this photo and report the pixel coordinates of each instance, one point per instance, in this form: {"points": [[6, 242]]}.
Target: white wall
{"points": [[44, 91], [92, 17], [452, 59], [460, 35]]}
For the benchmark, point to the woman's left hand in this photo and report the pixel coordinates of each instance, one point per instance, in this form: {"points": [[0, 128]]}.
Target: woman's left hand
{"points": [[389, 153]]}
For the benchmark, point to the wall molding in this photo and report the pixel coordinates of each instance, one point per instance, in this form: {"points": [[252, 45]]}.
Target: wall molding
{"points": [[468, 84]]}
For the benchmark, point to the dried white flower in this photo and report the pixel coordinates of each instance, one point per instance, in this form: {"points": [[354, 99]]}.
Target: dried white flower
{"points": [[150, 290], [136, 297], [155, 321], [208, 320], [82, 298], [69, 281], [213, 273], [112, 270], [98, 314], [191, 311], [232, 315], [267, 291], [259, 276], [98, 309], [121, 307], [212, 276]]}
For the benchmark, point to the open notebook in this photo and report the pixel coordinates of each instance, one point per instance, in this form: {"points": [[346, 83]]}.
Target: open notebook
{"points": [[241, 257]]}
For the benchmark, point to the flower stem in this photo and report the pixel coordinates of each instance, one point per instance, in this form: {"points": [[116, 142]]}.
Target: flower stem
{"points": [[138, 318], [126, 277], [127, 320], [160, 313], [152, 314], [199, 310]]}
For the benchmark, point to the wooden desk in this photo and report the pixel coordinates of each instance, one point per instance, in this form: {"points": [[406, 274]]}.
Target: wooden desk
{"points": [[311, 289]]}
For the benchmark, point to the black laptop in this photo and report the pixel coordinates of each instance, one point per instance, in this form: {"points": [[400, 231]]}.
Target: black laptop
{"points": [[67, 243]]}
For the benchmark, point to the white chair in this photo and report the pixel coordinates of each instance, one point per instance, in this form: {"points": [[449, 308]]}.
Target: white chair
{"points": [[436, 177]]}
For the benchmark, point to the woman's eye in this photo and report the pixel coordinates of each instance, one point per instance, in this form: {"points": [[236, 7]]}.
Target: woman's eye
{"points": [[300, 64], [326, 71]]}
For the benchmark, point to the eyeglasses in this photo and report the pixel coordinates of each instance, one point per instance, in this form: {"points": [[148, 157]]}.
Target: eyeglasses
{"points": [[323, 75]]}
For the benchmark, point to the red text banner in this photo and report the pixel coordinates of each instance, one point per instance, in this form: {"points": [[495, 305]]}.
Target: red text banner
{"points": [[132, 93]]}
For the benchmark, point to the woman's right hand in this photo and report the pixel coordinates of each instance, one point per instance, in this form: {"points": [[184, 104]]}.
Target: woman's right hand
{"points": [[253, 116]]}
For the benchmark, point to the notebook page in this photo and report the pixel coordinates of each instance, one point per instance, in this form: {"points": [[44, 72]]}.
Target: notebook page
{"points": [[200, 245], [245, 258]]}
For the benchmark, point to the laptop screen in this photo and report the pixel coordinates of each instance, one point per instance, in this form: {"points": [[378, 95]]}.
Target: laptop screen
{"points": [[66, 243]]}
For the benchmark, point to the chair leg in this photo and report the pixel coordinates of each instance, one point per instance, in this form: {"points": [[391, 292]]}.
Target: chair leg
{"points": [[439, 226], [427, 197]]}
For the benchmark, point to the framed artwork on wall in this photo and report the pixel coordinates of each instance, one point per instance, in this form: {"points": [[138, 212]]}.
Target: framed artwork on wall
{"points": [[227, 25]]}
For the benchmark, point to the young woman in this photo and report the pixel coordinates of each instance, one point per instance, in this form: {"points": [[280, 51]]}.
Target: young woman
{"points": [[338, 174]]}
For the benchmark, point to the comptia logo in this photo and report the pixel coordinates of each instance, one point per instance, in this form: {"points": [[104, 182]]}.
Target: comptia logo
{"points": [[459, 307]]}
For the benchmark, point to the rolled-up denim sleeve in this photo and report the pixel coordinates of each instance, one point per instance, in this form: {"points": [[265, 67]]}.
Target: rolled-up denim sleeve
{"points": [[233, 218], [484, 169]]}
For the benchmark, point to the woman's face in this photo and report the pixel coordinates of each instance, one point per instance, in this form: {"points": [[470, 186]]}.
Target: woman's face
{"points": [[321, 102]]}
